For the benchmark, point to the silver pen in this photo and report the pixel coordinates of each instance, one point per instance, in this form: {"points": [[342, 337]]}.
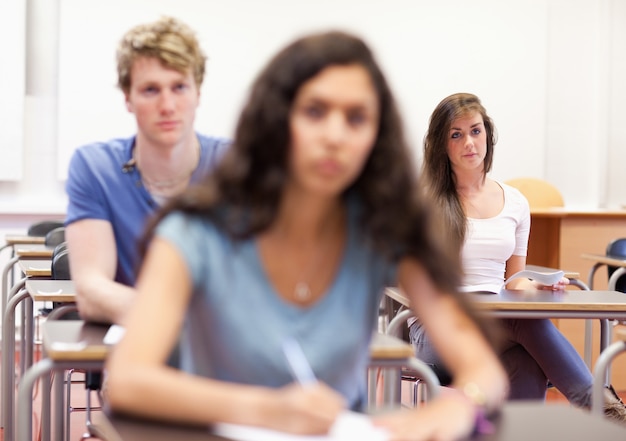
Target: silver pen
{"points": [[299, 365]]}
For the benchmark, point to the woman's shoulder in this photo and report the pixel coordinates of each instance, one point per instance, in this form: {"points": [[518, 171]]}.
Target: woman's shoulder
{"points": [[189, 226], [513, 198], [512, 192]]}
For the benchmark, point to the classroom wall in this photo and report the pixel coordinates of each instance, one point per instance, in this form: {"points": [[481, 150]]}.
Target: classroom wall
{"points": [[550, 72]]}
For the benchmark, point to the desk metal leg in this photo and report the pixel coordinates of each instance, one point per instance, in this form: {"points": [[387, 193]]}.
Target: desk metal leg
{"points": [[613, 279], [587, 355], [427, 374], [27, 335], [45, 404], [588, 342], [592, 273], [605, 341], [599, 379], [25, 393], [588, 325], [393, 386], [5, 281], [8, 363], [60, 406], [25, 398], [395, 325], [392, 383]]}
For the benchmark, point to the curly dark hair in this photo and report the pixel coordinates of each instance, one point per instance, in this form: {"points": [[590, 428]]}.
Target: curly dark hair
{"points": [[437, 173], [243, 194]]}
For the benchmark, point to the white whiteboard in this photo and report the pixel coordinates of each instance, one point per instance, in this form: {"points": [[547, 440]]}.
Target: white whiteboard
{"points": [[429, 49]]}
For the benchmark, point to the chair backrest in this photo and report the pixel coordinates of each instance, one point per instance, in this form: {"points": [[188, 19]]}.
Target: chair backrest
{"points": [[61, 266], [60, 247], [540, 193], [55, 237], [44, 227], [617, 248]]}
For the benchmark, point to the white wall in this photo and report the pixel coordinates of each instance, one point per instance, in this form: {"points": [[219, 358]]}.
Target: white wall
{"points": [[12, 88], [550, 72]]}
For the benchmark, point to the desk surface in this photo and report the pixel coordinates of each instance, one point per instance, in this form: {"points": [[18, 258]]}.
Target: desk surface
{"points": [[384, 346], [558, 212], [563, 304], [16, 239], [51, 290], [519, 421], [583, 301], [33, 251], [36, 267], [606, 260], [71, 340], [78, 340]]}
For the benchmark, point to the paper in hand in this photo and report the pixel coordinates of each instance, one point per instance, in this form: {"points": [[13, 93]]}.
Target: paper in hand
{"points": [[547, 279]]}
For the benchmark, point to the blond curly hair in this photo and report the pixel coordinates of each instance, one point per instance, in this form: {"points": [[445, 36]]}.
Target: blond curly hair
{"points": [[169, 40]]}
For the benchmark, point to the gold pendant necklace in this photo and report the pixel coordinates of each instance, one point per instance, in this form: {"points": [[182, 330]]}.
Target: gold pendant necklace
{"points": [[302, 292]]}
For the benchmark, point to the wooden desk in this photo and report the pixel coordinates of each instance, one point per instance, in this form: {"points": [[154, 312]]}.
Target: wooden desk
{"points": [[35, 268], [22, 239], [75, 344], [518, 421], [35, 290], [22, 252], [67, 344], [10, 240], [33, 251], [543, 304], [559, 236], [602, 260], [603, 305], [392, 353], [31, 268]]}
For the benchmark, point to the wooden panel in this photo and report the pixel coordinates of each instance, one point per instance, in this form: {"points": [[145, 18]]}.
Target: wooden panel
{"points": [[557, 240], [544, 242], [588, 235]]}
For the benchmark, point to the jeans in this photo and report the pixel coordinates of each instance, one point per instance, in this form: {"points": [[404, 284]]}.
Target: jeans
{"points": [[534, 351]]}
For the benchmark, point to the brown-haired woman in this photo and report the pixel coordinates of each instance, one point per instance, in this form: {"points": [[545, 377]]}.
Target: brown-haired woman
{"points": [[489, 222], [314, 210]]}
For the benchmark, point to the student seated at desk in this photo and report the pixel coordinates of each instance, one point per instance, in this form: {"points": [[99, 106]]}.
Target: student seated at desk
{"points": [[490, 223], [295, 236], [113, 187]]}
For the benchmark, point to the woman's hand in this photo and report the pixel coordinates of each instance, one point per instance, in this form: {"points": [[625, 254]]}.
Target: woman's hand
{"points": [[559, 286], [449, 417], [307, 410]]}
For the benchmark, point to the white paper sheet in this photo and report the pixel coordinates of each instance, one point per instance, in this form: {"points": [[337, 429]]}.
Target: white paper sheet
{"points": [[543, 278], [114, 335], [350, 426]]}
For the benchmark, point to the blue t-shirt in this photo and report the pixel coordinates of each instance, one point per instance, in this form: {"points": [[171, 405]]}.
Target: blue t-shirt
{"points": [[236, 322], [100, 186]]}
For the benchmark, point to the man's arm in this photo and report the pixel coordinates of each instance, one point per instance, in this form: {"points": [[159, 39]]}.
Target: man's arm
{"points": [[93, 259]]}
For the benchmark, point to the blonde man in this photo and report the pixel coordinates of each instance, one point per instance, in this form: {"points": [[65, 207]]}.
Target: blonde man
{"points": [[114, 186]]}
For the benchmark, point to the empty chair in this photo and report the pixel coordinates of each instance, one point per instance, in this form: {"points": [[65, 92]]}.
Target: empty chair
{"points": [[540, 193], [55, 237], [44, 227], [61, 266]]}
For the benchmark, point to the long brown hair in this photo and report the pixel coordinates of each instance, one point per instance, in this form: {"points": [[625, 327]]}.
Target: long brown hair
{"points": [[438, 178], [242, 195]]}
